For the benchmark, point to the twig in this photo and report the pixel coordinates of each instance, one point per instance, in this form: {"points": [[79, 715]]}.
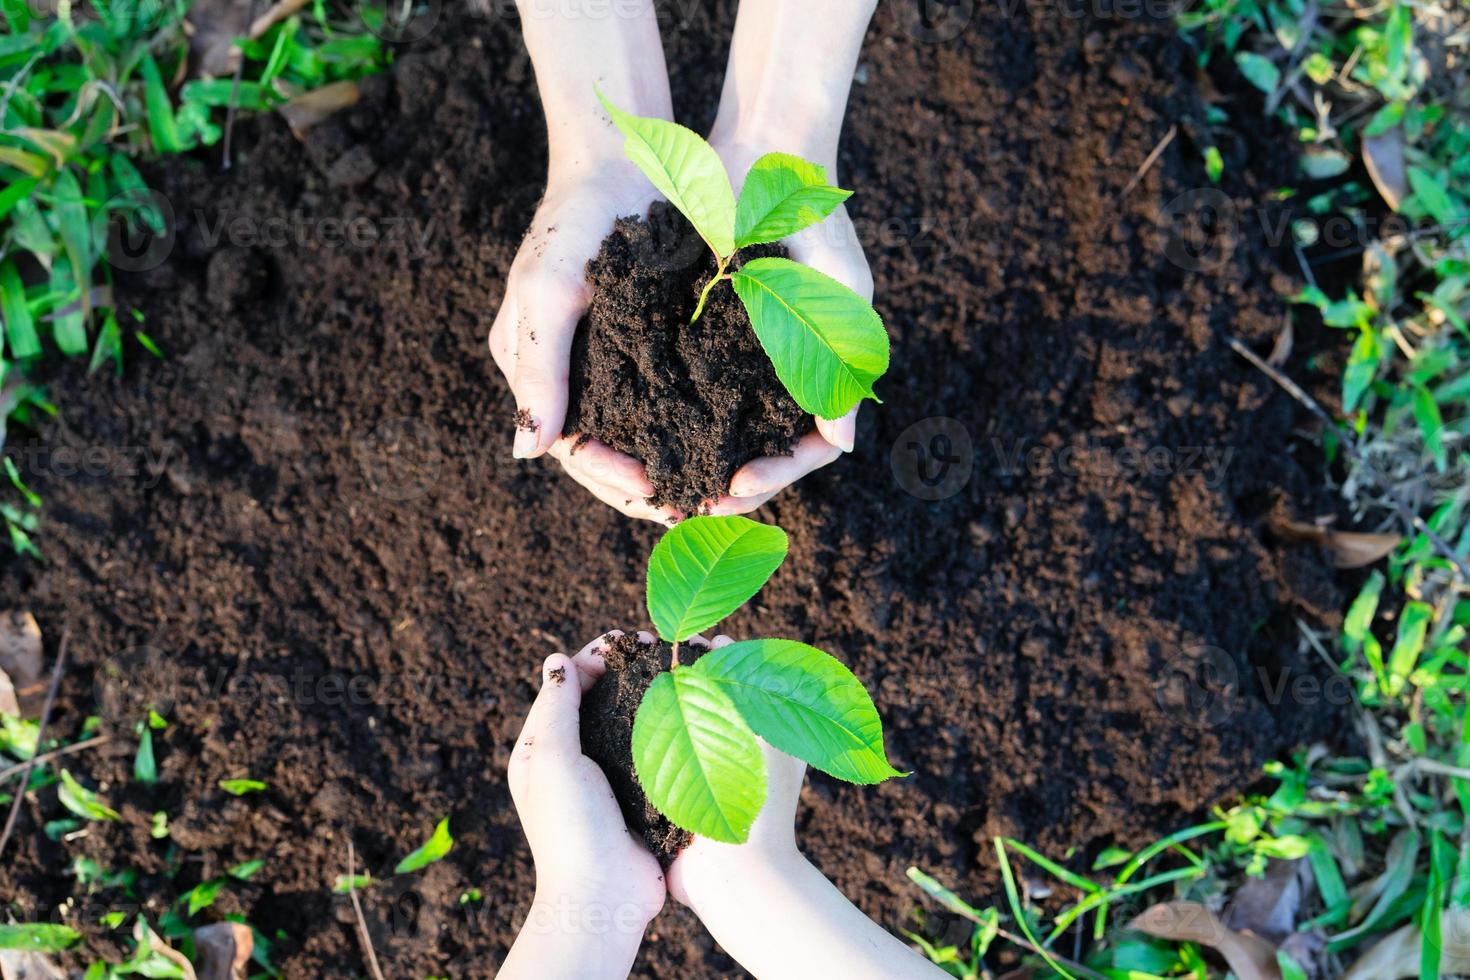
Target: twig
{"points": [[1150, 160], [20, 793], [71, 749], [1406, 514], [235, 96], [362, 930]]}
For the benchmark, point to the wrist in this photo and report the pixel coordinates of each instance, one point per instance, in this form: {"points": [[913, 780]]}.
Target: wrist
{"points": [[575, 912]]}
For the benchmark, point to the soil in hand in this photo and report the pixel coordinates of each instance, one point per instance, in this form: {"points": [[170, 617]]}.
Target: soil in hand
{"points": [[607, 735], [694, 402]]}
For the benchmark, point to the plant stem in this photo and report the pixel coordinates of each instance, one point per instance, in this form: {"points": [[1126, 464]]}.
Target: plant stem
{"points": [[703, 296], [674, 661]]}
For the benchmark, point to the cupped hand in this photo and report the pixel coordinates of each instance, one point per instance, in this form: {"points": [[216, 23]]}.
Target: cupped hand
{"points": [[587, 862], [831, 247], [546, 294]]}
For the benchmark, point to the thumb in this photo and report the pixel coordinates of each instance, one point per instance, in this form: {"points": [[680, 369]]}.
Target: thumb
{"points": [[549, 306]]}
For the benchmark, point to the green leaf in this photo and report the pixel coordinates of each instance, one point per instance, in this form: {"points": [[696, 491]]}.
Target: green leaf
{"points": [[245, 870], [1259, 70], [826, 343], [685, 169], [239, 787], [433, 849], [348, 883], [145, 767], [782, 195], [705, 568], [1413, 624], [38, 937], [20, 326], [1214, 164], [161, 123], [697, 760], [1432, 195], [68, 329], [805, 703], [1111, 857], [82, 801], [202, 895], [1431, 425]]}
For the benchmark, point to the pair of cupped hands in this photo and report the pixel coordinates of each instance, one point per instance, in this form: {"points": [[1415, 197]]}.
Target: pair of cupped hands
{"points": [[547, 293], [585, 856]]}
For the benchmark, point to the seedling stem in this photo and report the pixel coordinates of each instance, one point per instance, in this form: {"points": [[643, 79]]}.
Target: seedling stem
{"points": [[704, 295]]}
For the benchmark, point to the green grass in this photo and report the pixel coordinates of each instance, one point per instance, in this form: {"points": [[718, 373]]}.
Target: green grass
{"points": [[84, 96], [1386, 836]]}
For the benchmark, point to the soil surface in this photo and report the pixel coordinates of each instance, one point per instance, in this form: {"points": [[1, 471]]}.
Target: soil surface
{"points": [[607, 735], [302, 537], [695, 401]]}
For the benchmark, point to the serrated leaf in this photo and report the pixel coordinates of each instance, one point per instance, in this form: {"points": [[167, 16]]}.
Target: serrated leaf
{"points": [[826, 343], [433, 849], [38, 937], [82, 801], [685, 169], [804, 702], [697, 760], [705, 568], [781, 195]]}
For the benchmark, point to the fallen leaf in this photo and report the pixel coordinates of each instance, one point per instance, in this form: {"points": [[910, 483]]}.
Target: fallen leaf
{"points": [[155, 942], [1249, 957], [1350, 549], [305, 111], [223, 950], [1281, 350], [27, 965], [20, 659], [1384, 157], [1397, 954], [1267, 906]]}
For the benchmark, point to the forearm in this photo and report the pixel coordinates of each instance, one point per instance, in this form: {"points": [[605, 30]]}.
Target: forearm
{"points": [[579, 45], [782, 89], [787, 920], [563, 939]]}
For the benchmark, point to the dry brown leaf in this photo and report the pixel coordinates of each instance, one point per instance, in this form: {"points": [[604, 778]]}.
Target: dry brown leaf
{"points": [[20, 659], [1281, 350], [305, 111], [1350, 549], [27, 965], [1397, 954], [1249, 957], [223, 950], [1384, 156], [1267, 906]]}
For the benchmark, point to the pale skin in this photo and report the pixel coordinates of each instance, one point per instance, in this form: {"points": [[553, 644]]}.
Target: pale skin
{"points": [[781, 93], [597, 887]]}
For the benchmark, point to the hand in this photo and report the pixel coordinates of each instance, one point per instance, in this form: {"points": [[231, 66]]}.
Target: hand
{"points": [[546, 295], [597, 887]]}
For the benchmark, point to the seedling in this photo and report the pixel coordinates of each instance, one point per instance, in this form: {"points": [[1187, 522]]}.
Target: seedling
{"points": [[825, 341], [694, 746]]}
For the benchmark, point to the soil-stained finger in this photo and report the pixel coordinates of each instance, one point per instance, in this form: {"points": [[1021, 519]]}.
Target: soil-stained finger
{"points": [[771, 473], [591, 664], [605, 465]]}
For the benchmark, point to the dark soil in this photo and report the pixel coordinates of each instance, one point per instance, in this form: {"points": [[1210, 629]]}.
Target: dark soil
{"points": [[695, 401], [607, 736], [303, 535]]}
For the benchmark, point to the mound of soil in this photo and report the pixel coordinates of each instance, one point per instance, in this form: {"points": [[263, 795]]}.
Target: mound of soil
{"points": [[302, 534], [695, 401], [607, 735]]}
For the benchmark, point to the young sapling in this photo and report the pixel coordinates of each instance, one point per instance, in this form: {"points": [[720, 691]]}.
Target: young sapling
{"points": [[694, 734], [826, 342]]}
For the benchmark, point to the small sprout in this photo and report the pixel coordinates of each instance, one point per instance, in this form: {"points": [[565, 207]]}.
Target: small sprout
{"points": [[156, 721], [826, 342], [694, 734], [470, 895], [158, 827], [239, 787], [202, 895], [246, 870], [82, 801], [348, 883], [433, 849], [113, 919], [145, 766]]}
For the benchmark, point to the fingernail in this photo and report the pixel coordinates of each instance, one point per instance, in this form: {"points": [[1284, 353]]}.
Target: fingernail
{"points": [[846, 438], [527, 435]]}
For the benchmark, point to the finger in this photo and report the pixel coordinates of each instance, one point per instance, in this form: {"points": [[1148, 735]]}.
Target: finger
{"points": [[549, 304], [503, 336], [625, 503], [771, 473], [603, 464], [842, 432], [553, 725], [591, 664], [646, 638], [728, 506], [722, 641]]}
